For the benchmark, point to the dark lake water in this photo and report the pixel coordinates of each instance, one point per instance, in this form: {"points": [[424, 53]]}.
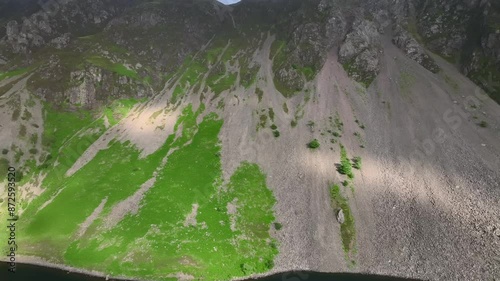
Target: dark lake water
{"points": [[38, 273]]}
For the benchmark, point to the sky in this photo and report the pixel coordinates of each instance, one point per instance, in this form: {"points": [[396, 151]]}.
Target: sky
{"points": [[227, 2]]}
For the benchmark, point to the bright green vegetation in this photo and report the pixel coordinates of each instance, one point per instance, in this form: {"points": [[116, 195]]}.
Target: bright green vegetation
{"points": [[348, 228], [226, 237], [117, 68], [345, 167], [188, 76], [314, 144], [118, 110], [356, 162], [221, 82], [12, 73]]}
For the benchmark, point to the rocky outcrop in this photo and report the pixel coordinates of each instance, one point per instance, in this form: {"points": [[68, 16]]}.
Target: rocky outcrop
{"points": [[55, 20], [463, 31], [360, 52], [406, 42], [466, 32]]}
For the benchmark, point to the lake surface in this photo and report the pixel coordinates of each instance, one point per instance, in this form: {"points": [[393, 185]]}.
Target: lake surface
{"points": [[27, 272]]}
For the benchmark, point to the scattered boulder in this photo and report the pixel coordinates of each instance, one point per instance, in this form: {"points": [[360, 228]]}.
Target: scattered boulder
{"points": [[340, 216], [496, 232]]}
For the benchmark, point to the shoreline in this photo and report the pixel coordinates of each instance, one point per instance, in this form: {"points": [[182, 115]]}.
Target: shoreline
{"points": [[31, 260]]}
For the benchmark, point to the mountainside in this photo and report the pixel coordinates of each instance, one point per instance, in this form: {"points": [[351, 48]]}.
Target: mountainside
{"points": [[190, 140]]}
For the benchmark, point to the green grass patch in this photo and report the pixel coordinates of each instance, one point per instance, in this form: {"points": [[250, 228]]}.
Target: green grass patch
{"points": [[222, 82], [356, 162], [345, 167], [406, 82], [285, 108], [223, 242], [119, 109], [12, 73], [259, 94], [314, 144], [347, 229], [117, 68]]}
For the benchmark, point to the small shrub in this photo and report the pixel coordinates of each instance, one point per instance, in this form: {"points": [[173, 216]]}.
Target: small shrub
{"points": [[5, 151], [4, 165], [33, 151], [22, 131], [271, 114], [345, 183], [293, 123], [313, 144], [336, 134], [16, 114], [483, 124], [276, 133], [345, 167], [274, 127], [259, 93], [19, 176], [285, 108], [356, 162], [269, 264], [278, 226]]}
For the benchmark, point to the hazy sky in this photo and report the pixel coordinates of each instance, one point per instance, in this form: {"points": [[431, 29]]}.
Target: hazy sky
{"points": [[229, 1]]}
